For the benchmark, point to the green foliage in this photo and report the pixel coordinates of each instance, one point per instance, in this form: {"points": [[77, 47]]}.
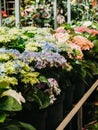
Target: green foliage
{"points": [[43, 79], [42, 13], [42, 99], [95, 48], [19, 74], [9, 21], [93, 126], [16, 125], [8, 103], [2, 116], [15, 38]]}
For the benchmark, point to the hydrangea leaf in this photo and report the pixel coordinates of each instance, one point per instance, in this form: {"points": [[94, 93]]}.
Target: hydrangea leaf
{"points": [[95, 48], [17, 125], [8, 103], [42, 99], [3, 85], [43, 79], [26, 126], [2, 117]]}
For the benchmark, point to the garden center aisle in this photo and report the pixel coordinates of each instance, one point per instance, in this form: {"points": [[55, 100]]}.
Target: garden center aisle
{"points": [[48, 64]]}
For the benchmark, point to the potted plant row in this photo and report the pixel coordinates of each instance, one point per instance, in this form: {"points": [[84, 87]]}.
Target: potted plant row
{"points": [[40, 67]]}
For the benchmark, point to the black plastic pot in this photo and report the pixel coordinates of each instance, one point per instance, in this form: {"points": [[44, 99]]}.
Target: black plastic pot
{"points": [[44, 119], [55, 113], [35, 116], [38, 119], [79, 92], [68, 103], [68, 100]]}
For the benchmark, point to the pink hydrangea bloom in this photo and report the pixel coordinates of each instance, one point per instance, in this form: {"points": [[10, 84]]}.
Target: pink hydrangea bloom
{"points": [[83, 42], [61, 34], [54, 89], [60, 30], [94, 32], [79, 54], [82, 29], [62, 37], [53, 82]]}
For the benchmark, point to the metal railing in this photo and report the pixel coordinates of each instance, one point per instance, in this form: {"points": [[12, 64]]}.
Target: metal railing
{"points": [[77, 108]]}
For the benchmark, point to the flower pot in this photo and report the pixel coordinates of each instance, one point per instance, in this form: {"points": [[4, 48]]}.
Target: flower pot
{"points": [[55, 113], [68, 100], [35, 116], [38, 119], [79, 92], [44, 119], [68, 103]]}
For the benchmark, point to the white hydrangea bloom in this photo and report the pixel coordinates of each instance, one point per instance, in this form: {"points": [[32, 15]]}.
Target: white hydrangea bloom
{"points": [[14, 94], [52, 99], [73, 2], [87, 23]]}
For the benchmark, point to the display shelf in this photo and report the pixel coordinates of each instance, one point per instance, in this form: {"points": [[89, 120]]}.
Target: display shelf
{"points": [[10, 6]]}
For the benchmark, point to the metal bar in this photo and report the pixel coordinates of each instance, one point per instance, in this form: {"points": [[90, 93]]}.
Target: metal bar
{"points": [[17, 12], [79, 119], [77, 107], [4, 5], [37, 1], [55, 13], [87, 13], [68, 11], [0, 15]]}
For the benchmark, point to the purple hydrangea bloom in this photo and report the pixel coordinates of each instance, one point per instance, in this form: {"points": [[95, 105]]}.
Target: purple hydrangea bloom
{"points": [[11, 51], [44, 59]]}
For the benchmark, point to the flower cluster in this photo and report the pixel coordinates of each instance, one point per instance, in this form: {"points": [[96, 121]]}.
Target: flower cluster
{"points": [[15, 71], [65, 43], [44, 50], [87, 38], [83, 42], [44, 59], [12, 38], [54, 88], [62, 35], [83, 29], [32, 14], [6, 55]]}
